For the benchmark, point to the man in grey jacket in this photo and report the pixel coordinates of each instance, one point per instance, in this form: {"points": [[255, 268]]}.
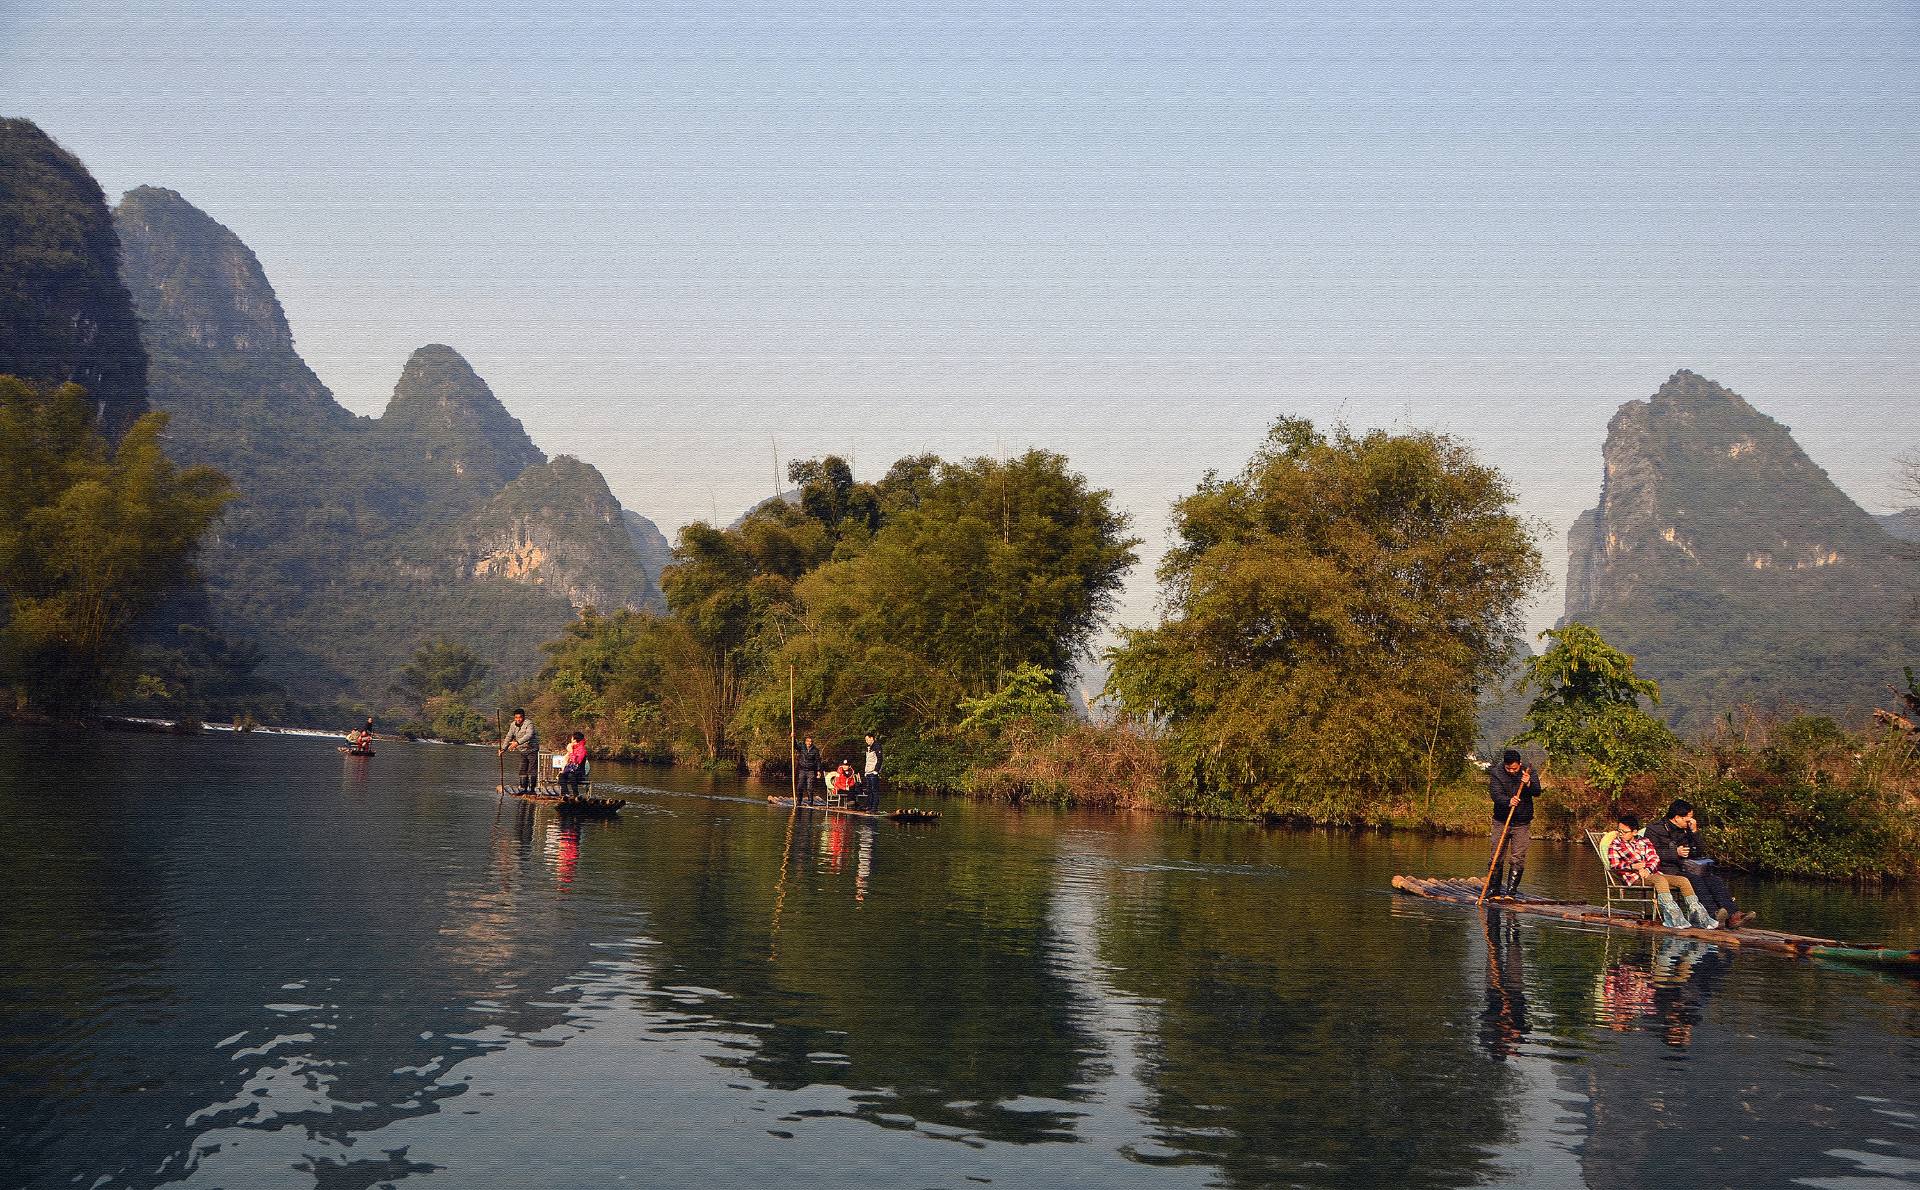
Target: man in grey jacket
{"points": [[523, 737]]}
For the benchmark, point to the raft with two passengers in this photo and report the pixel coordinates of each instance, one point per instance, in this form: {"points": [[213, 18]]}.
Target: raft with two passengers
{"points": [[360, 741], [1659, 879], [566, 785]]}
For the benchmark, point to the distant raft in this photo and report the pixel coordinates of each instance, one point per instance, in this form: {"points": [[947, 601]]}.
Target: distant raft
{"points": [[904, 814], [350, 750], [1466, 891], [586, 806]]}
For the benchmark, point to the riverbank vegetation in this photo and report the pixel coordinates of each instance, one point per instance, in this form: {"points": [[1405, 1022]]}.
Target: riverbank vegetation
{"points": [[93, 535]]}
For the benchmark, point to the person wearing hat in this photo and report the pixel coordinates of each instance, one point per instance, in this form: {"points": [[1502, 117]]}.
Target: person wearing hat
{"points": [[1512, 785]]}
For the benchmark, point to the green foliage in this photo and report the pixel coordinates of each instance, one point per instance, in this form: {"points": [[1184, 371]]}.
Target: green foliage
{"points": [[1030, 698], [1587, 711], [439, 688], [91, 536], [1803, 796], [1333, 612], [441, 666]]}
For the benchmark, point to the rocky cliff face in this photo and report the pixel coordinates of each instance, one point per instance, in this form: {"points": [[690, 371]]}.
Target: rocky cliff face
{"points": [[1731, 565], [656, 552], [558, 527], [225, 359], [64, 313], [356, 539]]}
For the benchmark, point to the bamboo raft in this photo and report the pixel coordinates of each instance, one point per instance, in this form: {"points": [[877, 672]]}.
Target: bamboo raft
{"points": [[352, 751], [905, 814], [1466, 891], [587, 806]]}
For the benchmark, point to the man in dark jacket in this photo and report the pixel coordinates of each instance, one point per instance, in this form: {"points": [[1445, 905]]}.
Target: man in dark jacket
{"points": [[1511, 784], [806, 758], [1676, 838]]}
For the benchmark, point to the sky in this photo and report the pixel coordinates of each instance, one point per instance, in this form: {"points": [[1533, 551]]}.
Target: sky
{"points": [[678, 240]]}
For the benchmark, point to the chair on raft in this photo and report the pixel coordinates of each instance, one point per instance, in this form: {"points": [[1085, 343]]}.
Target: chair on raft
{"points": [[550, 776], [1618, 891]]}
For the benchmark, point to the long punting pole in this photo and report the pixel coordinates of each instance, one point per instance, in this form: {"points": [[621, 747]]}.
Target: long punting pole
{"points": [[1498, 848], [793, 742]]}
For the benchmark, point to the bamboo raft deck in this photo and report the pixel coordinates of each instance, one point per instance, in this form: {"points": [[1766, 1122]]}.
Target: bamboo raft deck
{"points": [[1466, 891], [906, 814], [348, 750], [600, 807]]}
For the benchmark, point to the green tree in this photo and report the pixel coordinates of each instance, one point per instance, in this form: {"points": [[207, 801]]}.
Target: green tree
{"points": [[1587, 710], [441, 666], [92, 535], [1029, 697], [1332, 613]]}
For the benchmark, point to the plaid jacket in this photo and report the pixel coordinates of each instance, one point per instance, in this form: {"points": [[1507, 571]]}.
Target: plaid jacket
{"points": [[1629, 852]]}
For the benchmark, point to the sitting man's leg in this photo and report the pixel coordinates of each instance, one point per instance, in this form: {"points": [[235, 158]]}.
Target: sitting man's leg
{"points": [[1697, 915]]}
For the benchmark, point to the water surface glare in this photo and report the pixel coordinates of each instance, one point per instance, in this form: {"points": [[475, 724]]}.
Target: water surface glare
{"points": [[252, 962]]}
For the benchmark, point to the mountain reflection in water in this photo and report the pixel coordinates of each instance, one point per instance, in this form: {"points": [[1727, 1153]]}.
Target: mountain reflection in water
{"points": [[252, 962]]}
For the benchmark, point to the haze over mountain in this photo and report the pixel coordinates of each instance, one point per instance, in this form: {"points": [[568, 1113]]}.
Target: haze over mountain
{"points": [[355, 539], [64, 314], [1732, 566]]}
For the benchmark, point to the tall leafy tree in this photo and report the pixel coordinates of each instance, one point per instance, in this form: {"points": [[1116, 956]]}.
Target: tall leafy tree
{"points": [[92, 535], [1331, 614], [1586, 710]]}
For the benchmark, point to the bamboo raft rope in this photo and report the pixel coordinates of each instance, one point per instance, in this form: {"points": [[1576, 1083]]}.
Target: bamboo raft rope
{"points": [[1466, 891]]}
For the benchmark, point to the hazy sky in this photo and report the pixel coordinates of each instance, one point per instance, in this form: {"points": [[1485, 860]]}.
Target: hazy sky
{"points": [[672, 236]]}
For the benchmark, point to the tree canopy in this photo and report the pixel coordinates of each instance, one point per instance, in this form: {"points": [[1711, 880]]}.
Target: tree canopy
{"points": [[1586, 712], [1331, 614], [92, 535]]}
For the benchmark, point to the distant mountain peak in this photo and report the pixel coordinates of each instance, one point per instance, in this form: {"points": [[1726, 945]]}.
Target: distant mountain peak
{"points": [[460, 425], [65, 314], [1730, 562], [196, 277]]}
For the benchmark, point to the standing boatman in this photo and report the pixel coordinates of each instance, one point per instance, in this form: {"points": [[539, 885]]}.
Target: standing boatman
{"points": [[870, 777], [523, 737], [806, 758], [1512, 784]]}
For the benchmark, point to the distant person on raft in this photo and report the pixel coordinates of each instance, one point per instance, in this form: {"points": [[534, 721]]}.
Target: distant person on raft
{"points": [[807, 762], [870, 777], [523, 737], [574, 772], [1635, 861], [1512, 784]]}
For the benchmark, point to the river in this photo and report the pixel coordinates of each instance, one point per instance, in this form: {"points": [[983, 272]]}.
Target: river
{"points": [[252, 962]]}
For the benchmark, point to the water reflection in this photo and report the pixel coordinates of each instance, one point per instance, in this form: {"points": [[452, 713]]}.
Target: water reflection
{"points": [[274, 972]]}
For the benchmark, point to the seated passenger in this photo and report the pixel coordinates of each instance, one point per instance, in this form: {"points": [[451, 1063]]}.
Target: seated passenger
{"points": [[574, 772], [1676, 838], [844, 780], [1634, 861]]}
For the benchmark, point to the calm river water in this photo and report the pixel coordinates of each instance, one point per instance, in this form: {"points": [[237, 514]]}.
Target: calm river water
{"points": [[252, 962]]}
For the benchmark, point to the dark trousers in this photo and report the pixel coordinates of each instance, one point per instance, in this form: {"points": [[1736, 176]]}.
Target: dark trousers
{"points": [[570, 780], [529, 765], [1711, 889], [870, 790]]}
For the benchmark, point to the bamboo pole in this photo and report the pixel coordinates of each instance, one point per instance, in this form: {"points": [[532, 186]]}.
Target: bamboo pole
{"points": [[793, 742]]}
